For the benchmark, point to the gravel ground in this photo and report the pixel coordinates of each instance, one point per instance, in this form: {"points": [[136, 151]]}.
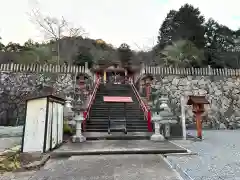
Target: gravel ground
{"points": [[218, 156]]}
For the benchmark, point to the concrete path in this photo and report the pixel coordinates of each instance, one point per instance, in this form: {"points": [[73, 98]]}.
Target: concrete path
{"points": [[117, 147], [105, 167]]}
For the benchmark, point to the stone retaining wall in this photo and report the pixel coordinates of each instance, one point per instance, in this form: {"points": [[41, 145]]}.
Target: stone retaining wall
{"points": [[15, 87], [223, 93]]}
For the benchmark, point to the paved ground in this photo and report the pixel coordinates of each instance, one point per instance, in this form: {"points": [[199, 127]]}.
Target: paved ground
{"points": [[218, 156], [117, 146], [106, 167], [9, 142]]}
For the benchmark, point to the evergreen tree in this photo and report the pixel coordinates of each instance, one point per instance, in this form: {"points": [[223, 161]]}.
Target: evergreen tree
{"points": [[166, 30], [188, 25], [83, 55], [125, 54], [219, 44]]}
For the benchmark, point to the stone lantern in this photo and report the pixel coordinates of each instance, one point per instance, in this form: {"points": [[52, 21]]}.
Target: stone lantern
{"points": [[156, 136], [68, 102], [162, 116], [79, 118], [166, 115], [68, 107]]}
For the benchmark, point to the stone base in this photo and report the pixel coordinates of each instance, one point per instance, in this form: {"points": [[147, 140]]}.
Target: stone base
{"points": [[157, 137], [78, 139]]}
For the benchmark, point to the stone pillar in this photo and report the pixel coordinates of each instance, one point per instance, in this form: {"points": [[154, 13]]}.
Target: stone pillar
{"points": [[167, 130], [157, 136]]}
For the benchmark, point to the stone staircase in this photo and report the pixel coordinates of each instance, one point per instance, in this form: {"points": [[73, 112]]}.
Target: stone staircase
{"points": [[101, 111]]}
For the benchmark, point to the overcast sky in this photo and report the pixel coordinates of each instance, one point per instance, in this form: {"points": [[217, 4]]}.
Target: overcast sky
{"points": [[115, 21]]}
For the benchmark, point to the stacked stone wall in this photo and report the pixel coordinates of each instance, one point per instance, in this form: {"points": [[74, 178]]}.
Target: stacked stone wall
{"points": [[222, 92]]}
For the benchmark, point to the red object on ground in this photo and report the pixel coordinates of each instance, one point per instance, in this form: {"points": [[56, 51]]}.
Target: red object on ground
{"points": [[199, 124], [117, 99]]}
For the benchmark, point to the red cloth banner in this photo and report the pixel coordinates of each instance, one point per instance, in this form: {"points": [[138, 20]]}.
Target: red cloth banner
{"points": [[117, 99]]}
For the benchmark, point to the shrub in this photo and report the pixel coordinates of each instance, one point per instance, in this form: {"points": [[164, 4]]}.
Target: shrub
{"points": [[67, 129]]}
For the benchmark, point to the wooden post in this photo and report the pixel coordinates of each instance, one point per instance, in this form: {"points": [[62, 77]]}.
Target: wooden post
{"points": [[198, 108], [199, 124]]}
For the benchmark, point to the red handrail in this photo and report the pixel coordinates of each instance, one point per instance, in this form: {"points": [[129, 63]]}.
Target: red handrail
{"points": [[92, 97], [146, 110]]}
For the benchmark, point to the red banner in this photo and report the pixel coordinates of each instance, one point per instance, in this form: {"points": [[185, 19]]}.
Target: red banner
{"points": [[117, 99]]}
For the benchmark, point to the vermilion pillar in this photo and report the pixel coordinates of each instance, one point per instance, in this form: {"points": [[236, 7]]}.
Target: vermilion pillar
{"points": [[199, 124]]}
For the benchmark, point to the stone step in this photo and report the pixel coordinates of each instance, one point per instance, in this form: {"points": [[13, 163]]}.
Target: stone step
{"points": [[130, 123], [116, 111], [133, 116], [99, 120], [106, 130], [103, 111], [117, 136]]}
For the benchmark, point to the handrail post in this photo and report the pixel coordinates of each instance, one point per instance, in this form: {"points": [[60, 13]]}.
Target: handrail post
{"points": [[86, 112], [149, 121], [109, 123], [146, 110], [125, 119]]}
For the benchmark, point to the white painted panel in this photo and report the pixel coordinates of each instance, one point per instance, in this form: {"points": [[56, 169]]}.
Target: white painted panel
{"points": [[54, 125], [49, 129], [35, 125], [60, 123]]}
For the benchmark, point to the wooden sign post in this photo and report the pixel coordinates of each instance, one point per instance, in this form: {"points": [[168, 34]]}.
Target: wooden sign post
{"points": [[198, 108]]}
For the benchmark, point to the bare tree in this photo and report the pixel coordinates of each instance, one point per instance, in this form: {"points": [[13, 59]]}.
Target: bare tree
{"points": [[54, 28], [148, 53], [151, 42]]}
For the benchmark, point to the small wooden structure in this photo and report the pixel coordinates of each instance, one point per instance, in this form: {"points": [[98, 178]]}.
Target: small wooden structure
{"points": [[43, 128], [198, 108]]}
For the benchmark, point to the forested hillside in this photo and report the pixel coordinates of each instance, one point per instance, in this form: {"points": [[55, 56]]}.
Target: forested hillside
{"points": [[185, 39]]}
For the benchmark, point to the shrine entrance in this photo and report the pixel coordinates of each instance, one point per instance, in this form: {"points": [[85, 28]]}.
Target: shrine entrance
{"points": [[115, 74], [112, 74]]}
